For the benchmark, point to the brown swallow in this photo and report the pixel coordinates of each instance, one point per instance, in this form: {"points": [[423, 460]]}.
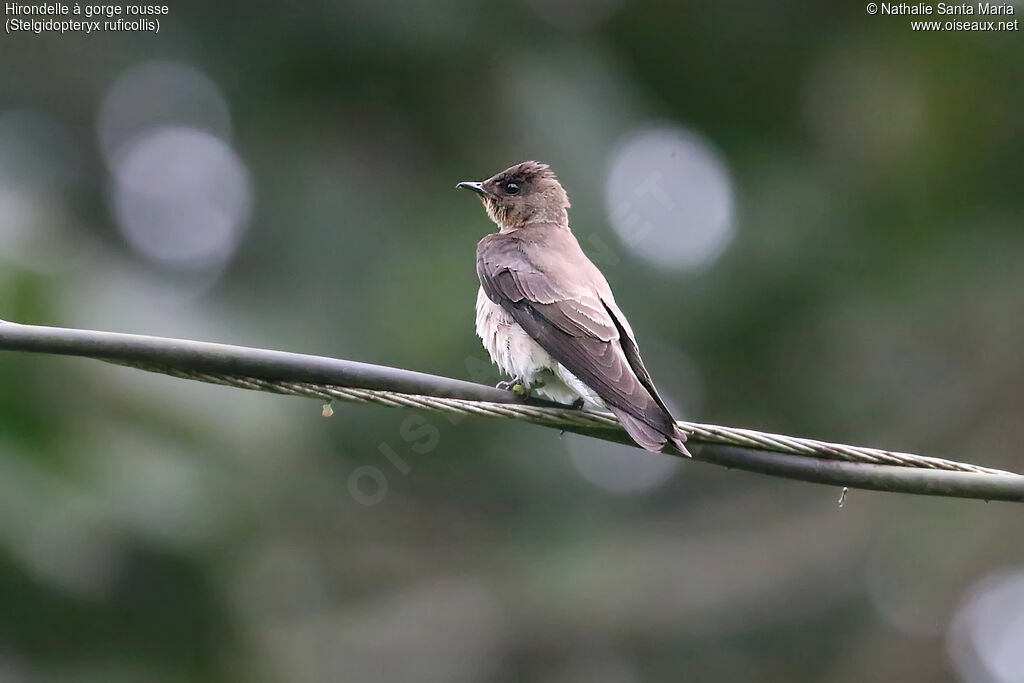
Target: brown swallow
{"points": [[547, 316]]}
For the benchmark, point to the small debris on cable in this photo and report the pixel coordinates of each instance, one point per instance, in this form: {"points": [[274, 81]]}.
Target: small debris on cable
{"points": [[842, 496], [328, 410]]}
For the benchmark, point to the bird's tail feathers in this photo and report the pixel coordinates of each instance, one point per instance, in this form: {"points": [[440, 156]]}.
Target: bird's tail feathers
{"points": [[648, 436], [678, 440]]}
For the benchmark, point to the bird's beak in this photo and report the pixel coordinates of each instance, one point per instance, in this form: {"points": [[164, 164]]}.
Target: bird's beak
{"points": [[473, 186]]}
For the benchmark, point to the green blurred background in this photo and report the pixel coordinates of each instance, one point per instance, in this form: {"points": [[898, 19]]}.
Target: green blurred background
{"points": [[814, 218]]}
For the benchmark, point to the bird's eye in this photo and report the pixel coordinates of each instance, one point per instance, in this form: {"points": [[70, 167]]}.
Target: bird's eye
{"points": [[512, 188]]}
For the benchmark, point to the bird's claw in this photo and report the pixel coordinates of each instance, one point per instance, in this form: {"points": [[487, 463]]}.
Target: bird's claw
{"points": [[515, 384]]}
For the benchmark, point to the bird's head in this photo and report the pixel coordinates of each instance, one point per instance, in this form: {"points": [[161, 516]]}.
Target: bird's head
{"points": [[525, 193]]}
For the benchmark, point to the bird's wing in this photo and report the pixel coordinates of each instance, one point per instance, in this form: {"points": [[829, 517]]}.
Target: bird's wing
{"points": [[632, 351], [547, 284]]}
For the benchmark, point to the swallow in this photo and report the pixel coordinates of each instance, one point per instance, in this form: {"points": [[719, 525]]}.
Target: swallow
{"points": [[546, 314]]}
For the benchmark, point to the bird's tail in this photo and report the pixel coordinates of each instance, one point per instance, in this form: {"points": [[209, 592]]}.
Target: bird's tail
{"points": [[650, 437]]}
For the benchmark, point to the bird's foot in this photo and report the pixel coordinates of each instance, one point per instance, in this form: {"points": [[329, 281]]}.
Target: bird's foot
{"points": [[515, 384], [577, 404]]}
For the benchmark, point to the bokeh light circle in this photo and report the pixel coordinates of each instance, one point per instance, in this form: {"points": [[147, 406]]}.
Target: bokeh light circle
{"points": [[669, 197], [986, 637], [182, 198]]}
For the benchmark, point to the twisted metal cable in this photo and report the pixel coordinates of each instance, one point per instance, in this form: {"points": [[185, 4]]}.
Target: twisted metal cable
{"points": [[562, 417]]}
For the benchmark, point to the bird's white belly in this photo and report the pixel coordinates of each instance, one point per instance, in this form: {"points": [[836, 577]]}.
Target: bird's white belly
{"points": [[518, 355]]}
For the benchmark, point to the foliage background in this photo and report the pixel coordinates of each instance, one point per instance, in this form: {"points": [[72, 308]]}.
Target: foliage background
{"points": [[867, 289]]}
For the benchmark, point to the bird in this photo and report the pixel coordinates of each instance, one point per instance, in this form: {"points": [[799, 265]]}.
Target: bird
{"points": [[546, 314]]}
